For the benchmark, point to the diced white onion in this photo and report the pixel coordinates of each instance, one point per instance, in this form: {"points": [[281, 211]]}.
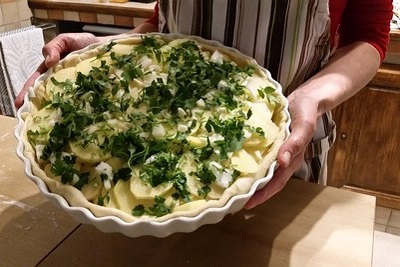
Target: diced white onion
{"points": [[209, 96], [181, 112], [57, 118], [118, 73], [120, 93], [215, 168], [52, 158], [88, 108], [200, 103], [247, 134], [164, 77], [182, 128], [150, 159], [222, 110], [113, 122], [148, 79], [217, 57], [65, 154], [222, 84], [216, 137], [223, 177], [92, 128], [104, 168], [39, 151], [158, 131], [144, 135], [75, 179], [145, 62], [107, 115], [107, 184]]}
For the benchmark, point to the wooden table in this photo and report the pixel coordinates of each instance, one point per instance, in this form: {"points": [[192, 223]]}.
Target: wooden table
{"points": [[303, 225]]}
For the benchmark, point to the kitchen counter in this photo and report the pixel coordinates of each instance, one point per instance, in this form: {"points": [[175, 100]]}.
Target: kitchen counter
{"points": [[126, 14], [303, 225], [387, 77]]}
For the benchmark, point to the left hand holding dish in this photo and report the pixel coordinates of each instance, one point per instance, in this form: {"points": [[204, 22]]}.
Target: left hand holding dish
{"points": [[55, 50]]}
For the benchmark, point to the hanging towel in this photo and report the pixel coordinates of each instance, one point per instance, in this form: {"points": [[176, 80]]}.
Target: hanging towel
{"points": [[21, 54]]}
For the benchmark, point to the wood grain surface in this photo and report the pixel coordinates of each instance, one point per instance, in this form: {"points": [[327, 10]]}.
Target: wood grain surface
{"points": [[303, 225]]}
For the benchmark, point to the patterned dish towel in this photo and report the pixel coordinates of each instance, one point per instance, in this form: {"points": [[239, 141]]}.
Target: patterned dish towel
{"points": [[21, 54]]}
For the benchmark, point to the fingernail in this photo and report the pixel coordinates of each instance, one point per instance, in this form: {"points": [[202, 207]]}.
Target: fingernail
{"points": [[287, 156], [47, 59], [248, 206]]}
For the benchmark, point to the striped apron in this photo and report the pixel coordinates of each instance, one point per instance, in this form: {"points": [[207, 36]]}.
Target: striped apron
{"points": [[290, 38]]}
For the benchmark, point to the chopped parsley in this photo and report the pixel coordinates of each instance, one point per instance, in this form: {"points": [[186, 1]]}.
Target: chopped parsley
{"points": [[150, 46], [117, 106], [204, 174], [267, 92], [159, 209], [123, 174], [231, 129], [64, 167]]}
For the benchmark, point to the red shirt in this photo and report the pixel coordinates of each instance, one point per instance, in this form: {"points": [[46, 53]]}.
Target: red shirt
{"points": [[352, 21], [361, 20]]}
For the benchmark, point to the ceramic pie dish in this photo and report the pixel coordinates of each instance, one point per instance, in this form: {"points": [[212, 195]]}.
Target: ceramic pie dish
{"points": [[131, 150]]}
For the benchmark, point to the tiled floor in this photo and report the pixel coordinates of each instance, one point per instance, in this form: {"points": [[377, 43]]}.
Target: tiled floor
{"points": [[386, 238]]}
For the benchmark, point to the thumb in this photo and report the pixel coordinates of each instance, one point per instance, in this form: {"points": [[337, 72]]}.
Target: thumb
{"points": [[296, 143], [19, 100], [52, 56]]}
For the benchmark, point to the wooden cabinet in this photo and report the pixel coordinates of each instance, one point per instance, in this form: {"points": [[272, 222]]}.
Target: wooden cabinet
{"points": [[366, 155]]}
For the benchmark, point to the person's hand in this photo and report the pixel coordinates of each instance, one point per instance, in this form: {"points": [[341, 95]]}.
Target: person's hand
{"points": [[303, 110], [53, 51]]}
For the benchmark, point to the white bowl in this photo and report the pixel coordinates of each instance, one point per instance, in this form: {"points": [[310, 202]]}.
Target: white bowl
{"points": [[144, 226]]}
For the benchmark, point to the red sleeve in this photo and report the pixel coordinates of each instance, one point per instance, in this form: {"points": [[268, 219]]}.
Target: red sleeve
{"points": [[154, 18], [367, 20]]}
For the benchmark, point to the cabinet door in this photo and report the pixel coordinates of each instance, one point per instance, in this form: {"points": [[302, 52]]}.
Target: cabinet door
{"points": [[366, 154]]}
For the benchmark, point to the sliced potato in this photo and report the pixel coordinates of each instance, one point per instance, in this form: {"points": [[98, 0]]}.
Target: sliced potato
{"points": [[43, 122], [85, 66], [115, 163], [270, 134], [89, 154], [260, 115], [60, 76], [142, 190], [194, 185], [112, 200], [122, 49], [261, 118], [244, 162], [215, 192], [196, 142], [40, 95], [254, 84], [122, 196], [92, 189], [72, 60]]}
